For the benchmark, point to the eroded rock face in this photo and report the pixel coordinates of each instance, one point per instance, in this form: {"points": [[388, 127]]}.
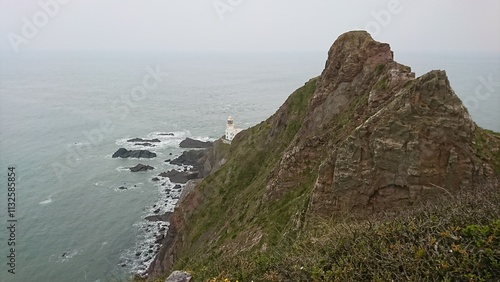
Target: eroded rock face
{"points": [[377, 137], [420, 140]]}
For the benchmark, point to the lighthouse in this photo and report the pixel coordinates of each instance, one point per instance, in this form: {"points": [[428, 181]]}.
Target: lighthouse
{"points": [[231, 130]]}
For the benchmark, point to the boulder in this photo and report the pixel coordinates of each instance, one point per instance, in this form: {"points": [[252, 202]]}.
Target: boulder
{"points": [[179, 276]]}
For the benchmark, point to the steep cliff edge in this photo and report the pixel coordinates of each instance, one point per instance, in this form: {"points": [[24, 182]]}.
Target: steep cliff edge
{"points": [[365, 136]]}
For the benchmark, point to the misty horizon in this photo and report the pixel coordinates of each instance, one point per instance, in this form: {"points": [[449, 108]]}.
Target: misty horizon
{"points": [[244, 26]]}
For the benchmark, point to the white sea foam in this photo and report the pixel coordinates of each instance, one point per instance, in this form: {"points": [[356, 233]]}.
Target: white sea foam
{"points": [[47, 201], [147, 246], [166, 141], [68, 255], [122, 168]]}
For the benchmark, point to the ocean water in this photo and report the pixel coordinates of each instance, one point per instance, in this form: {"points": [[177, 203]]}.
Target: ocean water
{"points": [[63, 115]]}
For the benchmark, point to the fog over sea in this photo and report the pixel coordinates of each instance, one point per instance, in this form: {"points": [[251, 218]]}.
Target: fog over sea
{"points": [[62, 116]]}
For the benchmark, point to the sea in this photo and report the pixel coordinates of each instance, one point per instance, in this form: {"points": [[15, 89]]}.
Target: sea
{"points": [[79, 214]]}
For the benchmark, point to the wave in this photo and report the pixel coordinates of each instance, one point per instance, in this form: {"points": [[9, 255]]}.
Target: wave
{"points": [[150, 232], [167, 140], [47, 201]]}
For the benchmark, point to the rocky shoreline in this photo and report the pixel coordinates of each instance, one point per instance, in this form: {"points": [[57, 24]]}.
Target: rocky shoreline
{"points": [[172, 186]]}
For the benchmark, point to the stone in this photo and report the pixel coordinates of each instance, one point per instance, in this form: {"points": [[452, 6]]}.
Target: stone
{"points": [[179, 276]]}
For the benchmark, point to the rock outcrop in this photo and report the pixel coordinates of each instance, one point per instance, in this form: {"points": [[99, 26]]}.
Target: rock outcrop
{"points": [[365, 136], [176, 176], [192, 143], [124, 153], [191, 157]]}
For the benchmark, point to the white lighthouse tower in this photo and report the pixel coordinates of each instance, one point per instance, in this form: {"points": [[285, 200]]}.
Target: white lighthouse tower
{"points": [[231, 130]]}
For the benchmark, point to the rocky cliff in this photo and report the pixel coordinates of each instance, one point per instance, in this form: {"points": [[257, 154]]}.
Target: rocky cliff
{"points": [[363, 137]]}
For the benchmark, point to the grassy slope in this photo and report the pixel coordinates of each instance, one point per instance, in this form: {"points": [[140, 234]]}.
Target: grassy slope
{"points": [[455, 241], [233, 203]]}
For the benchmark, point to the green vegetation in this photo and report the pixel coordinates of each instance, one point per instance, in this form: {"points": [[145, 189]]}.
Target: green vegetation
{"points": [[487, 144], [382, 83], [233, 212], [457, 241], [405, 68], [379, 69]]}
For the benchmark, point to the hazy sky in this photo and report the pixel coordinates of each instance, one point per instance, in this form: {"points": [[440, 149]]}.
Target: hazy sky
{"points": [[246, 25]]}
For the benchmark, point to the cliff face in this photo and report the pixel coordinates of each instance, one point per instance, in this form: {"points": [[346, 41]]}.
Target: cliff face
{"points": [[365, 136]]}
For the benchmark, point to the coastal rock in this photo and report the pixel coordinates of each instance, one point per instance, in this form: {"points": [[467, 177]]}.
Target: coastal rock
{"points": [[141, 167], [192, 143], [176, 176], [190, 157], [143, 140], [124, 153], [159, 217]]}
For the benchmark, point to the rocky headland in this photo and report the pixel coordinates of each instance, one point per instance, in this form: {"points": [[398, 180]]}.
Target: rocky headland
{"points": [[364, 140]]}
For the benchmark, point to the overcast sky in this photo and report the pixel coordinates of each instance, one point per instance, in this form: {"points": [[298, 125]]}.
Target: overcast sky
{"points": [[246, 25]]}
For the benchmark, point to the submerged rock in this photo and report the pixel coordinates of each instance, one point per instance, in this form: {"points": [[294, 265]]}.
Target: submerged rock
{"points": [[141, 167], [145, 144], [144, 140]]}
